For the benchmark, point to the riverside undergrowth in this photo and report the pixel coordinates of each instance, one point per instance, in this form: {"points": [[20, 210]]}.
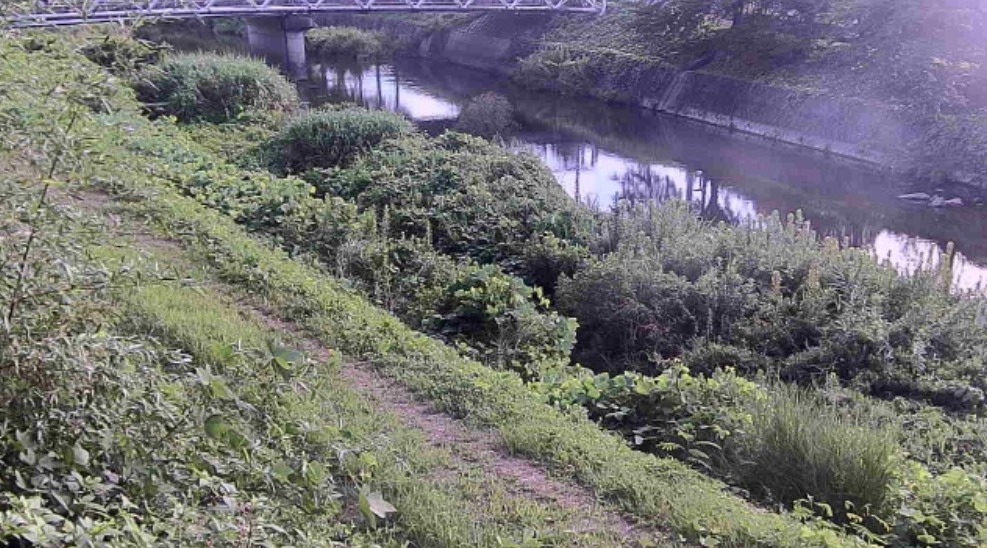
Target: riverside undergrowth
{"points": [[267, 205], [703, 299], [126, 155], [144, 407]]}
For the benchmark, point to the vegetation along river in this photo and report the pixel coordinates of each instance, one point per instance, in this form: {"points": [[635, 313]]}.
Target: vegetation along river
{"points": [[598, 151]]}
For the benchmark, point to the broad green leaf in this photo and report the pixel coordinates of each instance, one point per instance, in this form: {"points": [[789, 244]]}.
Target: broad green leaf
{"points": [[380, 507], [79, 455], [216, 426], [219, 389], [281, 472]]}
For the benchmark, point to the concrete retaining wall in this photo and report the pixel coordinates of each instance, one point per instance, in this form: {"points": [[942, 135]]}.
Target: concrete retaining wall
{"points": [[845, 127]]}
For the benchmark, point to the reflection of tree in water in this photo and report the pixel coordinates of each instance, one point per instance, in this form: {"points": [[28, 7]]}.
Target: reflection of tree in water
{"points": [[641, 183], [347, 82], [577, 158]]}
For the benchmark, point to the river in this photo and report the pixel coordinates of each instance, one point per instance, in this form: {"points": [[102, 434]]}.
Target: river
{"points": [[598, 151]]}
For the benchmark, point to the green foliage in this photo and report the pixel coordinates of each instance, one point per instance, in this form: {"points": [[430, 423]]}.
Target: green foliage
{"points": [[653, 489], [770, 297], [557, 67], [488, 115], [347, 42], [214, 88], [676, 413], [122, 54], [798, 447], [332, 138], [504, 321], [949, 509], [471, 198]]}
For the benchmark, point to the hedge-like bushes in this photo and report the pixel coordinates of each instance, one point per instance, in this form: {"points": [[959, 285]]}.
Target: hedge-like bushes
{"points": [[332, 138], [347, 42], [205, 87]]}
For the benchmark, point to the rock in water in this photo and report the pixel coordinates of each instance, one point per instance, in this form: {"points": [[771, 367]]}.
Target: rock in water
{"points": [[915, 197]]}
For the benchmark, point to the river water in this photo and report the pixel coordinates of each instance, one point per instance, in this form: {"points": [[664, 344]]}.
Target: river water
{"points": [[598, 151]]}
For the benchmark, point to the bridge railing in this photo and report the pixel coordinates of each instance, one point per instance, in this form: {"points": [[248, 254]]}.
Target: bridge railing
{"points": [[74, 12]]}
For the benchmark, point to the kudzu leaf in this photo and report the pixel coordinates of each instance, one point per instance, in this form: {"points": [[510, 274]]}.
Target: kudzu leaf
{"points": [[281, 472], [219, 389], [79, 455], [380, 507], [216, 427]]}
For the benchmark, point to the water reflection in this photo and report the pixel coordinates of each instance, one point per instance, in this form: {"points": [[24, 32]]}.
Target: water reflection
{"points": [[380, 87], [598, 151]]}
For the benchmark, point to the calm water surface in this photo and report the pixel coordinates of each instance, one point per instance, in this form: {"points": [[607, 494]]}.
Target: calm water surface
{"points": [[599, 151]]}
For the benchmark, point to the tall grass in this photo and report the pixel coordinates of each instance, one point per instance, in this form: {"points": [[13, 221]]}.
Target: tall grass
{"points": [[332, 138], [215, 88], [799, 446], [347, 42]]}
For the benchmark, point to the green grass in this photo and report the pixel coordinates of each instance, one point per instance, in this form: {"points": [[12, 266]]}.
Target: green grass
{"points": [[798, 447], [332, 138], [661, 491], [215, 88], [124, 154], [347, 42], [435, 507]]}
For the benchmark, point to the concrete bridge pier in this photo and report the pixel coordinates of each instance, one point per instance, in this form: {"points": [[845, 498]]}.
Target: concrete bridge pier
{"points": [[281, 41]]}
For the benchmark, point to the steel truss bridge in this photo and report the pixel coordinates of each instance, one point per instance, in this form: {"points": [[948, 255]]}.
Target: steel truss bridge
{"points": [[48, 13]]}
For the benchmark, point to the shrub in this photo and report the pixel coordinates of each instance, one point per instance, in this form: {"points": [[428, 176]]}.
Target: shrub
{"points": [[332, 138], [776, 298], [546, 258], [635, 314], [488, 115], [504, 321], [474, 199], [122, 54], [347, 42], [215, 88]]}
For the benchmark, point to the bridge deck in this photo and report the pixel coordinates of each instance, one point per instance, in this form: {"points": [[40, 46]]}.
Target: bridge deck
{"points": [[75, 12]]}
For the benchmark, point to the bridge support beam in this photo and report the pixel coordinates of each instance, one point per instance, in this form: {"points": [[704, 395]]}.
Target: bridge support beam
{"points": [[281, 41]]}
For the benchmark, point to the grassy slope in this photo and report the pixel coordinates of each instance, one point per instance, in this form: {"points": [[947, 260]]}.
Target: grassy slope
{"points": [[124, 159], [435, 508]]}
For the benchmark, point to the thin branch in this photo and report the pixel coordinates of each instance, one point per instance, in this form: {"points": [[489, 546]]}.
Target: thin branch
{"points": [[22, 272]]}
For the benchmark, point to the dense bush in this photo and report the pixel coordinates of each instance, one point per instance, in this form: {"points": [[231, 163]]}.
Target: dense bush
{"points": [[498, 318], [122, 54], [488, 115], [475, 199], [347, 42], [771, 296], [332, 138], [504, 321], [214, 88]]}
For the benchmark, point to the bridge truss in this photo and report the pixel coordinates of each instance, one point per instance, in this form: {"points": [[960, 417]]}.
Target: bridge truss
{"points": [[42, 13]]}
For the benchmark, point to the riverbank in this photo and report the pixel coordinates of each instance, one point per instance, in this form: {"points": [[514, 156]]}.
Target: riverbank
{"points": [[459, 272], [534, 53]]}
